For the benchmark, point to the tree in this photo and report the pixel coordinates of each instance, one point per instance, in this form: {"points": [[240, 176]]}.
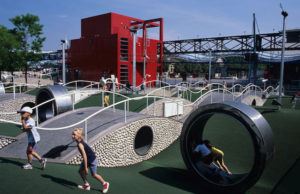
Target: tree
{"points": [[9, 55], [29, 33]]}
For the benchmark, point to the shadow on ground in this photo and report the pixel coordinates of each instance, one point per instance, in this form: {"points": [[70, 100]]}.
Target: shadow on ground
{"points": [[174, 177], [17, 163], [63, 182], [56, 151]]}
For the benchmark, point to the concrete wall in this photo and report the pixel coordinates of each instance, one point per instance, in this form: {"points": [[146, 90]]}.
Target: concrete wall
{"points": [[116, 148]]}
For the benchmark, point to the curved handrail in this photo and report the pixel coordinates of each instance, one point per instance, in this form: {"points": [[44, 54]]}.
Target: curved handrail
{"points": [[228, 91], [78, 81], [123, 101], [152, 81], [165, 83], [209, 86], [128, 100], [18, 85], [90, 116], [68, 94]]}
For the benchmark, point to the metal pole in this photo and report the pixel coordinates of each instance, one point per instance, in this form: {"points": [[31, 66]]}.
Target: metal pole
{"points": [[37, 116], [209, 67], [102, 98], [147, 103], [128, 106], [284, 14], [223, 95], [114, 90], [14, 88], [154, 107], [254, 70], [85, 131], [134, 61], [73, 100], [177, 109], [64, 63], [125, 111], [145, 51]]}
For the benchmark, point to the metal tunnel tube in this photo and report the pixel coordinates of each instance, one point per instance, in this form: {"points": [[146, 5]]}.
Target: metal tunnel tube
{"points": [[258, 129], [61, 104]]}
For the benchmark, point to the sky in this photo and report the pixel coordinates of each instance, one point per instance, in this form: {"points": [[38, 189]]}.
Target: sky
{"points": [[183, 19]]}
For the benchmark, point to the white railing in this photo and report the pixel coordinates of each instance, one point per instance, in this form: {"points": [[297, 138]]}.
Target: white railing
{"points": [[127, 100], [19, 86], [85, 120], [183, 86]]}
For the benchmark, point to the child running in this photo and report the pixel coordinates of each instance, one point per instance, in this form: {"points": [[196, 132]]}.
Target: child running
{"points": [[89, 161], [28, 126]]}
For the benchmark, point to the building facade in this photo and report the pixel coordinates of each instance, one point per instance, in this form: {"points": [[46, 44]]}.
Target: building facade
{"points": [[106, 47]]}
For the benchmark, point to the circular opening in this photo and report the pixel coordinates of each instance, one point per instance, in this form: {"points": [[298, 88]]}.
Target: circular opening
{"points": [[143, 140], [46, 111], [232, 150], [240, 132]]}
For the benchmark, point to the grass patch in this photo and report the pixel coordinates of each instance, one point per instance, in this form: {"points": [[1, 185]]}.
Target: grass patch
{"points": [[9, 129], [286, 102], [96, 100], [166, 172]]}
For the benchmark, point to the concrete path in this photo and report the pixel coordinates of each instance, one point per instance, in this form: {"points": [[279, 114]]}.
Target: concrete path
{"points": [[57, 144], [9, 96]]}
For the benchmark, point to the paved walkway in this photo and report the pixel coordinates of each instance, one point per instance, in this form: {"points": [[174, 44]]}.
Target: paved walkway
{"points": [[58, 144], [10, 96]]}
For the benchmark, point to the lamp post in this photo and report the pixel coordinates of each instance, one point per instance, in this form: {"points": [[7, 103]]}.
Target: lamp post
{"points": [[63, 42], [134, 31], [284, 14], [209, 67]]}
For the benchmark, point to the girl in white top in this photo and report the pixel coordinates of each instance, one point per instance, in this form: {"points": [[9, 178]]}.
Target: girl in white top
{"points": [[28, 126]]}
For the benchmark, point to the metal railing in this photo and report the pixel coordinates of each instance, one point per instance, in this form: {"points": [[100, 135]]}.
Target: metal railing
{"points": [[127, 101]]}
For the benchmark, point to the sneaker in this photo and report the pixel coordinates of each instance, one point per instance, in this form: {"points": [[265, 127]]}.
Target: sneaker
{"points": [[105, 187], [27, 166], [86, 187], [43, 163]]}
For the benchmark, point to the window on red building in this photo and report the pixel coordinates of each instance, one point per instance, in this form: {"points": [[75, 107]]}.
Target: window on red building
{"points": [[124, 74], [124, 49]]}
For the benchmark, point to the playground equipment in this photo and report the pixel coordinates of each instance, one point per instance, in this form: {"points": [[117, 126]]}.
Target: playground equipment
{"points": [[215, 179], [62, 102]]}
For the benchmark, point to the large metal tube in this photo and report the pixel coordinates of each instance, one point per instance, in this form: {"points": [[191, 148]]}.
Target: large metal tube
{"points": [[258, 129], [61, 104]]}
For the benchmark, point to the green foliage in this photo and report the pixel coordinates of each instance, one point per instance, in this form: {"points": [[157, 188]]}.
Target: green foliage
{"points": [[9, 46], [28, 31]]}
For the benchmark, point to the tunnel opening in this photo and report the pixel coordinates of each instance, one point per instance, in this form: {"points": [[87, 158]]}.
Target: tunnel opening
{"points": [[143, 140]]}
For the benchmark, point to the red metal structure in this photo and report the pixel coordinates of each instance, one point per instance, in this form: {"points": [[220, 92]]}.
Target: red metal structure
{"points": [[106, 47]]}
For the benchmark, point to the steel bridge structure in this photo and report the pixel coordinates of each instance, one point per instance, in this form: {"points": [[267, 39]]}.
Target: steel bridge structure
{"points": [[234, 44], [251, 46]]}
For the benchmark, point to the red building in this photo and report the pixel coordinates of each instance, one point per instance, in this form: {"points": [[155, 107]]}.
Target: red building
{"points": [[106, 47]]}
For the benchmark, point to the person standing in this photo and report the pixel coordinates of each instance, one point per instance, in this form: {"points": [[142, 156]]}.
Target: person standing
{"points": [[89, 161], [28, 126], [106, 88]]}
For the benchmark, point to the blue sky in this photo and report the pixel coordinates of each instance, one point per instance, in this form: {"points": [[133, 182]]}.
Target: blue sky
{"points": [[183, 19]]}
